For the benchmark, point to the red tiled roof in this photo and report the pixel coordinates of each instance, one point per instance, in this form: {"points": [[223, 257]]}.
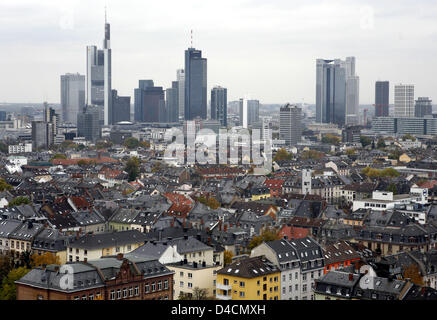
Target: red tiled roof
{"points": [[293, 232], [428, 184], [274, 183]]}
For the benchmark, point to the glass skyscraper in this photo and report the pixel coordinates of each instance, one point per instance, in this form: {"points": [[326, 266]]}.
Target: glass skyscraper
{"points": [[195, 85], [382, 94], [72, 96], [219, 105]]}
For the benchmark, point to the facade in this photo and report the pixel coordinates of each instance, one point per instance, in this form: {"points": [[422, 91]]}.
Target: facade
{"points": [[253, 278], [219, 105], [249, 112], [149, 102], [110, 278], [337, 91], [404, 101], [423, 107], [88, 123], [120, 108], [180, 77], [382, 94], [351, 134], [42, 134], [172, 102], [20, 148], [98, 77], [290, 126], [72, 96], [195, 84], [401, 126]]}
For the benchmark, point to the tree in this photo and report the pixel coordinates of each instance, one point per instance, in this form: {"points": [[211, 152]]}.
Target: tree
{"points": [[413, 272], [408, 137], [46, 258], [351, 152], [282, 154], [156, 167], [8, 290], [145, 144], [365, 141], [213, 203], [131, 143], [4, 147], [265, 236], [82, 163], [331, 139], [18, 201], [200, 294], [4, 186], [58, 156], [392, 188], [132, 168], [227, 256], [381, 143], [6, 264], [312, 154]]}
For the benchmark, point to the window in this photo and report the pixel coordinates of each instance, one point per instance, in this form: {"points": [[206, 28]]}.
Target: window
{"points": [[98, 295], [147, 288], [117, 249], [137, 291], [119, 294], [304, 277], [165, 284], [296, 275], [190, 275], [304, 288], [296, 287], [84, 297], [112, 295], [76, 298], [159, 285], [125, 293], [241, 294], [131, 291], [85, 252], [181, 274], [190, 285], [77, 251], [181, 284], [91, 296], [153, 286], [290, 288], [129, 247], [242, 284]]}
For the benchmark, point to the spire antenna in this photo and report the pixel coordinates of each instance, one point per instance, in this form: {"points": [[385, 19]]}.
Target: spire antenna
{"points": [[105, 15], [191, 38]]}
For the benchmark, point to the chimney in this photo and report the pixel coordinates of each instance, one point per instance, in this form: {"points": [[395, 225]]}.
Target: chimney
{"points": [[351, 277], [77, 235], [119, 256], [85, 260]]}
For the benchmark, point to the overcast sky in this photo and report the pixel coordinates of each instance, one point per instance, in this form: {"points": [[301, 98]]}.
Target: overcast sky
{"points": [[263, 48]]}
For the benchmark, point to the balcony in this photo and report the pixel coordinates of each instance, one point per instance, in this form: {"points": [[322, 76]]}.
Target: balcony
{"points": [[222, 297], [223, 287]]}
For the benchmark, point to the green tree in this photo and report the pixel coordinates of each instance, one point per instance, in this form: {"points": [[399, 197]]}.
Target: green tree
{"points": [[8, 290], [131, 143], [380, 144], [365, 141], [58, 156], [132, 168], [392, 188], [331, 139], [5, 186], [6, 264], [18, 201], [282, 154], [408, 137]]}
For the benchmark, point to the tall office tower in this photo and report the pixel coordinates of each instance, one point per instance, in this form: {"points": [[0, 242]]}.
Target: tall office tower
{"points": [[50, 116], [249, 112], [337, 91], [382, 93], [149, 103], [120, 108], [172, 102], [404, 100], [72, 96], [42, 134], [423, 107], [290, 124], [195, 85], [88, 123], [99, 77], [2, 115], [219, 105], [181, 91]]}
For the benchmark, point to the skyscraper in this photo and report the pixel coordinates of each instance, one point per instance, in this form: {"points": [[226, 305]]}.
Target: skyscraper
{"points": [[50, 116], [382, 93], [404, 100], [149, 103], [99, 77], [172, 102], [337, 91], [290, 126], [42, 134], [195, 85], [423, 107], [88, 123], [249, 112], [72, 96], [219, 105], [120, 108], [181, 91]]}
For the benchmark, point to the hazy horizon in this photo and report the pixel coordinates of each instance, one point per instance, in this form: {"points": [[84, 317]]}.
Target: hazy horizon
{"points": [[265, 49]]}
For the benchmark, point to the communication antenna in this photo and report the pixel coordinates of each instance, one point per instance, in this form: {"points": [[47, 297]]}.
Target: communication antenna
{"points": [[191, 38]]}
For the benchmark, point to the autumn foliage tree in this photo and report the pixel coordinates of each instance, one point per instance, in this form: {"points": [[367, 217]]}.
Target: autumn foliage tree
{"points": [[8, 290], [265, 236], [45, 258], [227, 257]]}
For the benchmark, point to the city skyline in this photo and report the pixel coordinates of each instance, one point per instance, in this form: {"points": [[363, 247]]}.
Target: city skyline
{"points": [[60, 32]]}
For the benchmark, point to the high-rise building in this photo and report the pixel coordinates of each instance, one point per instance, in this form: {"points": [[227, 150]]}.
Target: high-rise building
{"points": [[423, 107], [249, 112], [181, 91], [42, 134], [50, 116], [98, 77], [72, 96], [404, 100], [120, 108], [219, 105], [88, 123], [337, 91], [2, 115], [172, 102], [290, 124], [149, 103], [195, 85], [382, 93]]}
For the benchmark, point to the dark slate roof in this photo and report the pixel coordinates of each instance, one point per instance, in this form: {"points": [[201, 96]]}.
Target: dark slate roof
{"points": [[284, 250], [250, 268], [27, 231], [108, 239]]}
